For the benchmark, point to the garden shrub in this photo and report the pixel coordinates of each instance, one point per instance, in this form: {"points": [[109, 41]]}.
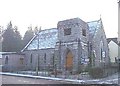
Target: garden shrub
{"points": [[96, 72]]}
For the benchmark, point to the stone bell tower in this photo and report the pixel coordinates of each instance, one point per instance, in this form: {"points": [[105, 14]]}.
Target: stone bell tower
{"points": [[72, 45]]}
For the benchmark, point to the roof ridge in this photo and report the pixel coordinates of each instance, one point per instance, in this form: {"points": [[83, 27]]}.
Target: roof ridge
{"points": [[93, 21], [113, 39], [48, 29], [44, 31]]}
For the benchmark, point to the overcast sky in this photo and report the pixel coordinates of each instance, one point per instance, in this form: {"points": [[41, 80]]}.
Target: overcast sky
{"points": [[46, 13]]}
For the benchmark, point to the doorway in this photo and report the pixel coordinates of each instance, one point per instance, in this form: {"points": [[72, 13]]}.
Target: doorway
{"points": [[69, 60]]}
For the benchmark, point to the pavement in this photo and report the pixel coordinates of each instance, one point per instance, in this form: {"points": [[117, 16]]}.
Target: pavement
{"points": [[113, 79], [23, 80]]}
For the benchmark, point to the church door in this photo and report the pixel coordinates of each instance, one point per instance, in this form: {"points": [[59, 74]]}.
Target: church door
{"points": [[69, 60]]}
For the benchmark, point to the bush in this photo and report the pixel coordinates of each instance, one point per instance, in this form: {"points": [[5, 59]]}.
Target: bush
{"points": [[96, 72], [5, 69], [87, 68]]}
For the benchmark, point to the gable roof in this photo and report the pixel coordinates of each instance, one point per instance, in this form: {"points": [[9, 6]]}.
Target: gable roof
{"points": [[94, 26], [112, 39], [49, 37], [9, 53]]}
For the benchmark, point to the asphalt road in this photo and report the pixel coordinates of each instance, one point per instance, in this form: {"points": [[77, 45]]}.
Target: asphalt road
{"points": [[23, 80], [113, 79]]}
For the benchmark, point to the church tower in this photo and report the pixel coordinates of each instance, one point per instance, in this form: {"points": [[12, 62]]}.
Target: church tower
{"points": [[73, 37]]}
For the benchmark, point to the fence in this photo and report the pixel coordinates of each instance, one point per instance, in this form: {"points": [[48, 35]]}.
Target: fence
{"points": [[50, 71]]}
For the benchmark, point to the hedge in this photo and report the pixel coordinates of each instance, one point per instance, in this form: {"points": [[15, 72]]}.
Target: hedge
{"points": [[96, 72]]}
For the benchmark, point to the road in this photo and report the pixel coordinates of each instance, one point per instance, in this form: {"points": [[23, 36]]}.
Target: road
{"points": [[23, 80], [113, 79]]}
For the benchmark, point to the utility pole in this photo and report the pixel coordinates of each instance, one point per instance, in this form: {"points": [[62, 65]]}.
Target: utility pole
{"points": [[37, 66], [119, 36], [60, 67], [119, 22]]}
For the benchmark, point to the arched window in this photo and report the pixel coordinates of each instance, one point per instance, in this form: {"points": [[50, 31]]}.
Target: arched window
{"points": [[45, 58], [31, 58], [6, 59], [101, 50]]}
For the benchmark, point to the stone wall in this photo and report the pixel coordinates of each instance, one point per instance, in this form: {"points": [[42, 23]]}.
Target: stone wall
{"points": [[71, 42], [38, 57], [14, 63], [100, 36], [76, 26], [76, 42]]}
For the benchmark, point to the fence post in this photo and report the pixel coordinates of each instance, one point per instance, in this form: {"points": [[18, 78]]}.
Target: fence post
{"points": [[49, 70], [37, 71], [55, 71]]}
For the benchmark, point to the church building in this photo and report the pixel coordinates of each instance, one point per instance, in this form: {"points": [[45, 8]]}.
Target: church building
{"points": [[72, 46]]}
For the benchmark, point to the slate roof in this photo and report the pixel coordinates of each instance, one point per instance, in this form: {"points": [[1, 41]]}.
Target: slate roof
{"points": [[9, 53], [49, 37], [113, 39], [94, 26]]}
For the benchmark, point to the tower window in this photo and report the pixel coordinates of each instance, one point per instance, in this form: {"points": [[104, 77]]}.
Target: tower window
{"points": [[67, 31], [83, 32]]}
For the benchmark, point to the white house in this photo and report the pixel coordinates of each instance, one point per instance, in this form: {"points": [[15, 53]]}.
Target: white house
{"points": [[113, 49]]}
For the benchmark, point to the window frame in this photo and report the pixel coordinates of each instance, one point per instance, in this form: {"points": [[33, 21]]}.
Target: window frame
{"points": [[67, 31], [45, 58], [84, 32], [6, 59], [21, 60], [31, 58]]}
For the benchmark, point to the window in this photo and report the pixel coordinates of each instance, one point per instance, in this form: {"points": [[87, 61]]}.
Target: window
{"points": [[101, 54], [45, 58], [31, 58], [67, 31], [21, 60], [102, 50], [83, 32], [6, 59]]}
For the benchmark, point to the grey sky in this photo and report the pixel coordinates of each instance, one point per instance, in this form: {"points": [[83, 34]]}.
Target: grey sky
{"points": [[46, 13]]}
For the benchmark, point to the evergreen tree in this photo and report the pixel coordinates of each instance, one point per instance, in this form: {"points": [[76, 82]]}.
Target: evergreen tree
{"points": [[18, 39], [1, 28], [28, 36], [11, 39], [37, 30]]}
